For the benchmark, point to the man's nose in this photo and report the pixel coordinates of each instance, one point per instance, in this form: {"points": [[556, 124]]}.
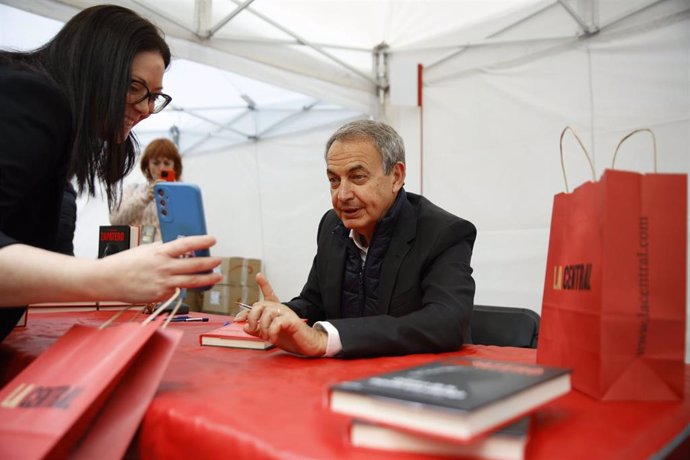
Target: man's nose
{"points": [[345, 191]]}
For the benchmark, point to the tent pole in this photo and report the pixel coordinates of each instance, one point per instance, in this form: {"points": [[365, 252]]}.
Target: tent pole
{"points": [[420, 98]]}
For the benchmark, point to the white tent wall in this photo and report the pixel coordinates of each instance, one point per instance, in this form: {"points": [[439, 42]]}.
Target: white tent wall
{"points": [[491, 142]]}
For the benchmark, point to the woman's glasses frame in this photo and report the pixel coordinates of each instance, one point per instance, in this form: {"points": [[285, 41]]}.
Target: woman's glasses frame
{"points": [[157, 101]]}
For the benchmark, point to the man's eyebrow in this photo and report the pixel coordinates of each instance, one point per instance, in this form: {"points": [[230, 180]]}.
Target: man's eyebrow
{"points": [[357, 167]]}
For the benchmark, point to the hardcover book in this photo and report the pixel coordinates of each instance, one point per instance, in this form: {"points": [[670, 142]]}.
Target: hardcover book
{"points": [[457, 398], [233, 336], [505, 444], [115, 238]]}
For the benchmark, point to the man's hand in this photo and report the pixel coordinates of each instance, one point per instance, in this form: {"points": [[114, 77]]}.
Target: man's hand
{"points": [[278, 324], [266, 288]]}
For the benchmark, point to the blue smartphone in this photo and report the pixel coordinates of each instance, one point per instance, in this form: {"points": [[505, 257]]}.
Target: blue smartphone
{"points": [[180, 211]]}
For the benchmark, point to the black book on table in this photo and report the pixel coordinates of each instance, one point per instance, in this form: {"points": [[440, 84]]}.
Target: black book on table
{"points": [[116, 238], [457, 398]]}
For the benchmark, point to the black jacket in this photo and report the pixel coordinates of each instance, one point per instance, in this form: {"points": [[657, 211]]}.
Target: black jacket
{"points": [[426, 290], [35, 133]]}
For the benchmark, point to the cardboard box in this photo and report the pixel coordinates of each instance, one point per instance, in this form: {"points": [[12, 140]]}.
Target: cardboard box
{"points": [[195, 299], [238, 271], [221, 298]]}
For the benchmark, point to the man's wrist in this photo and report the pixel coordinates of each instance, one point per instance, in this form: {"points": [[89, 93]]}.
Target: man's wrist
{"points": [[323, 341], [333, 344]]}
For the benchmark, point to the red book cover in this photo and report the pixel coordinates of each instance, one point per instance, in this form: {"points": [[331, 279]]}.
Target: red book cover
{"points": [[233, 336]]}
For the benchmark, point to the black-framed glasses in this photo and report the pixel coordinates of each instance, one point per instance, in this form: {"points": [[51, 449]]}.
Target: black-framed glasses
{"points": [[138, 91]]}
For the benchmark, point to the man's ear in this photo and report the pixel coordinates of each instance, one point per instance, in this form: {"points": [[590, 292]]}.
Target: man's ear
{"points": [[398, 176]]}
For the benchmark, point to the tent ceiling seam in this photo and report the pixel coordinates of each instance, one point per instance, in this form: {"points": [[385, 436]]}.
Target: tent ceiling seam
{"points": [[221, 126], [162, 15], [587, 28], [633, 13], [496, 33], [227, 19], [668, 19], [311, 45], [278, 41], [563, 41], [292, 116]]}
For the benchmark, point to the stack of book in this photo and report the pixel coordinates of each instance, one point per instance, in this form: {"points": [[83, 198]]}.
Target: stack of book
{"points": [[460, 406]]}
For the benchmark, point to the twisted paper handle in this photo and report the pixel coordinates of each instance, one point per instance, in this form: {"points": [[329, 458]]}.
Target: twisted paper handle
{"points": [[613, 162], [152, 316], [589, 160]]}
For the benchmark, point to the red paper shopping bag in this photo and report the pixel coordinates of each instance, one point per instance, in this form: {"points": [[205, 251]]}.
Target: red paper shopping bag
{"points": [[110, 433], [77, 392], [44, 410], [614, 296]]}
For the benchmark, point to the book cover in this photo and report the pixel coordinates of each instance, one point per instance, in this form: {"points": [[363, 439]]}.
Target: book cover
{"points": [[505, 444], [115, 238], [457, 398], [233, 336]]}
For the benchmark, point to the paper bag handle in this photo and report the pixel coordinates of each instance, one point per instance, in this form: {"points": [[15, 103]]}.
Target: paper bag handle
{"points": [[589, 160], [613, 162], [152, 316], [158, 310]]}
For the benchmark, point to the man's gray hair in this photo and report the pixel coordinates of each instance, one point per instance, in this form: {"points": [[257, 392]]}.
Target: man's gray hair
{"points": [[386, 140]]}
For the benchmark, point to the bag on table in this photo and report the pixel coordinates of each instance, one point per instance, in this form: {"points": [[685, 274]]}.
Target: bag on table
{"points": [[614, 296], [85, 396]]}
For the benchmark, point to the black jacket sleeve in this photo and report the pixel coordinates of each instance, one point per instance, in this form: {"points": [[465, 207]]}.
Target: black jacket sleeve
{"points": [[35, 132]]}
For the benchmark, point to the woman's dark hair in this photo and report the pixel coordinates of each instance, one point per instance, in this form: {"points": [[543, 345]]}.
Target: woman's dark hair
{"points": [[90, 59], [161, 148]]}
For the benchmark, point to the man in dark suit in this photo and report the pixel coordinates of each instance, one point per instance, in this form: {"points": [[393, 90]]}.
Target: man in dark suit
{"points": [[392, 271]]}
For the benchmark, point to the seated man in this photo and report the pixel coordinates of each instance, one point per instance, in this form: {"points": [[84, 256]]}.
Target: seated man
{"points": [[392, 271]]}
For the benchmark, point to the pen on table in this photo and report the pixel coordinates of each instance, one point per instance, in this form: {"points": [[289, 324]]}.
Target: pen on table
{"points": [[189, 320], [244, 305]]}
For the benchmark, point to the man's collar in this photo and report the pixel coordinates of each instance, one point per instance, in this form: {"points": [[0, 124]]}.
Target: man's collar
{"points": [[359, 240]]}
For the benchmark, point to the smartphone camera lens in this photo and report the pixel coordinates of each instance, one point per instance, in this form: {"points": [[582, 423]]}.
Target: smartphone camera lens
{"points": [[162, 201], [164, 212], [160, 192]]}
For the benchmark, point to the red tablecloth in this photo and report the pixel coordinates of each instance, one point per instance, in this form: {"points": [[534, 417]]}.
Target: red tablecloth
{"points": [[231, 403]]}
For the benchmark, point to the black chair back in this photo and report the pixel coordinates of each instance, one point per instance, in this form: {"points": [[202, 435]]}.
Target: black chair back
{"points": [[504, 326]]}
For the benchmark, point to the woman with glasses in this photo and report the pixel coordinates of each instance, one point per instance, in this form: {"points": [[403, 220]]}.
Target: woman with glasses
{"points": [[161, 162], [66, 112]]}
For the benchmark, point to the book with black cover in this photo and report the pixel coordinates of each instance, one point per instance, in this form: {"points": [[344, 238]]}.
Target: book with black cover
{"points": [[115, 238], [457, 398], [505, 444], [233, 336]]}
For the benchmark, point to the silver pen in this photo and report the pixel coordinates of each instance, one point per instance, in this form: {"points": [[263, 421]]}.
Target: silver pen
{"points": [[244, 305]]}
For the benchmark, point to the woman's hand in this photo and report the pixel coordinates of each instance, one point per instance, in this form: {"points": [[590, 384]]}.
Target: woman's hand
{"points": [[151, 272]]}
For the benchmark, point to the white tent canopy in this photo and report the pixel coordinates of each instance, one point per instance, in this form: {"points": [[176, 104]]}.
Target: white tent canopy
{"points": [[501, 79]]}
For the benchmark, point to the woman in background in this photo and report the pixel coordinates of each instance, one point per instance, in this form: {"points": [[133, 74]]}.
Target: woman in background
{"points": [[66, 112], [137, 206]]}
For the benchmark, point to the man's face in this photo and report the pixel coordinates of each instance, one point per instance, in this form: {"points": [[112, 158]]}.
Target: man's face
{"points": [[360, 192]]}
